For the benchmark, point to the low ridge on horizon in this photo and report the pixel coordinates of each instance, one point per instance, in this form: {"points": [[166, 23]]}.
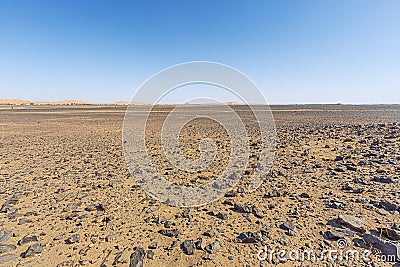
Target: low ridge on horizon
{"points": [[14, 101]]}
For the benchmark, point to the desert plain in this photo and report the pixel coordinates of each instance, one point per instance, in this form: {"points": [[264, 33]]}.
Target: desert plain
{"points": [[68, 197]]}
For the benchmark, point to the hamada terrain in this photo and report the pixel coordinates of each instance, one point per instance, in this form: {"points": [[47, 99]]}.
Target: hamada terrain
{"points": [[67, 197]]}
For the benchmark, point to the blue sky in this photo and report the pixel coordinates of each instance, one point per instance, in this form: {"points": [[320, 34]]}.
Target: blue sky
{"points": [[345, 51]]}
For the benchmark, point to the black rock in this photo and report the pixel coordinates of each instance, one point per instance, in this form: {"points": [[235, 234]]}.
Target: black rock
{"points": [[138, 258], [338, 234], [340, 169], [304, 195], [351, 168], [223, 216], [7, 258], [229, 202], [243, 208], [257, 212], [73, 239], [200, 244], [389, 205], [336, 204], [391, 234], [213, 247], [250, 237], [387, 248], [153, 245], [28, 239], [170, 232], [92, 207], [290, 227], [231, 194], [209, 233], [385, 180], [4, 235], [352, 223], [120, 257], [8, 206], [188, 247], [170, 202], [6, 248], [339, 158], [32, 250], [275, 193]]}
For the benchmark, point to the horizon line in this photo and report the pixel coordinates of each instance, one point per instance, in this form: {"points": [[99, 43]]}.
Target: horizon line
{"points": [[19, 102]]}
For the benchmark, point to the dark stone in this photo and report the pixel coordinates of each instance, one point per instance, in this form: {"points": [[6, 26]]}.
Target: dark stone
{"points": [[112, 237], [229, 202], [389, 205], [336, 204], [150, 254], [231, 194], [250, 237], [32, 250], [120, 257], [223, 216], [275, 193], [304, 195], [387, 248], [8, 206], [73, 239], [23, 221], [138, 258], [200, 244], [170, 233], [290, 227], [213, 247], [28, 239], [209, 233], [352, 222], [338, 234], [257, 212], [153, 245], [92, 207], [7, 258], [339, 158], [243, 208], [340, 169], [391, 234], [6, 248], [4, 235], [385, 180], [188, 247]]}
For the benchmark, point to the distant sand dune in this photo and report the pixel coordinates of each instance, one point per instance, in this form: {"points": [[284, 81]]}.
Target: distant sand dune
{"points": [[6, 101]]}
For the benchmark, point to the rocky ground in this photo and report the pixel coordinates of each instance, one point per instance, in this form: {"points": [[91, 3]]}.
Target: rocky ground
{"points": [[67, 198]]}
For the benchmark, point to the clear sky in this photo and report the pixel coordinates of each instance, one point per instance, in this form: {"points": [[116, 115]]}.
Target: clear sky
{"points": [[328, 51]]}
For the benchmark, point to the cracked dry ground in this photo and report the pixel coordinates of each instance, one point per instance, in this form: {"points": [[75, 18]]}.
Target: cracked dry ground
{"points": [[67, 198]]}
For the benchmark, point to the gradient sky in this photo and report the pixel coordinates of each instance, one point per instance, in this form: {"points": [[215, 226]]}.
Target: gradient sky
{"points": [[296, 51]]}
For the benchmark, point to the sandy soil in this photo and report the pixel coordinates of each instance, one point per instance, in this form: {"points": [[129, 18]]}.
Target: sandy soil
{"points": [[68, 198]]}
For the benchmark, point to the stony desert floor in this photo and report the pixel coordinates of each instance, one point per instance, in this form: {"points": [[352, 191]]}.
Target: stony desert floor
{"points": [[67, 197]]}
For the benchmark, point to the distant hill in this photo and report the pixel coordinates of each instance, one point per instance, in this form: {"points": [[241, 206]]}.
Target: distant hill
{"points": [[68, 102], [14, 102], [122, 103], [233, 103], [6, 101]]}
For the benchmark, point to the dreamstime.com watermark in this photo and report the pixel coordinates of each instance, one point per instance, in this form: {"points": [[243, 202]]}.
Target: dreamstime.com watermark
{"points": [[342, 254], [136, 120]]}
